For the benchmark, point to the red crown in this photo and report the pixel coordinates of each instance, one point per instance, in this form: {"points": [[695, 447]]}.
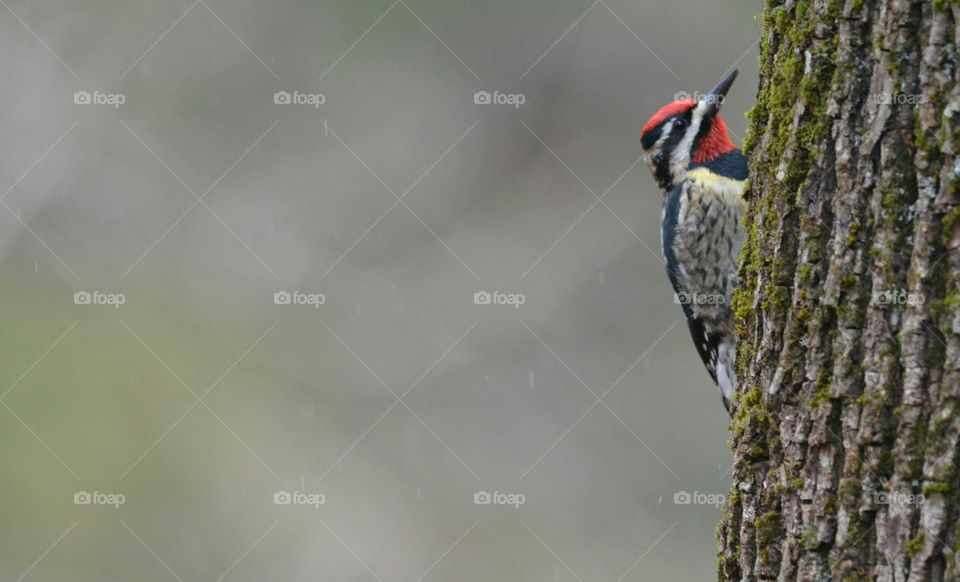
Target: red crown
{"points": [[713, 144], [672, 108]]}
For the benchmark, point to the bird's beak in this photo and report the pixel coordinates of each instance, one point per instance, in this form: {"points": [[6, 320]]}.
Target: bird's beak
{"points": [[714, 99]]}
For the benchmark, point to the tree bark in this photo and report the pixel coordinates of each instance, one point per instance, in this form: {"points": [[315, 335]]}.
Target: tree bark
{"points": [[846, 430]]}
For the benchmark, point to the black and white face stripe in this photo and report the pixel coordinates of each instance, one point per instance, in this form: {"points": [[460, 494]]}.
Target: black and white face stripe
{"points": [[681, 153], [668, 147], [660, 144]]}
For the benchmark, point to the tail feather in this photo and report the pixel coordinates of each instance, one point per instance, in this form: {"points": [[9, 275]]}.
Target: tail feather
{"points": [[726, 375], [718, 351]]}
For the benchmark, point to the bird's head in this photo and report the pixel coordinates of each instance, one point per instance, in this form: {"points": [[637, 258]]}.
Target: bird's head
{"points": [[685, 132]]}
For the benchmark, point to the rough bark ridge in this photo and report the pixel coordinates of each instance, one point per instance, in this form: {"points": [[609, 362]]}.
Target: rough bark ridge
{"points": [[848, 308]]}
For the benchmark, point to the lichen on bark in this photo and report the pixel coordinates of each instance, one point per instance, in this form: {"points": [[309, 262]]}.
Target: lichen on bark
{"points": [[846, 431]]}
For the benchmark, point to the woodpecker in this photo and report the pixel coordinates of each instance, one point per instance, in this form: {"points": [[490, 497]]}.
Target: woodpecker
{"points": [[701, 175]]}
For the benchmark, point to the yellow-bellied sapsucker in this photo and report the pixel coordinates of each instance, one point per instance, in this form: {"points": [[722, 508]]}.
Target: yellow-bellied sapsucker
{"points": [[701, 174]]}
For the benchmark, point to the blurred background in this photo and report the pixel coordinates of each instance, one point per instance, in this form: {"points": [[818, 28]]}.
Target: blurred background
{"points": [[247, 251]]}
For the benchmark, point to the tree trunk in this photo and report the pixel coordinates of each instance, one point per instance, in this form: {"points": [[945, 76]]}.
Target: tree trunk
{"points": [[846, 433]]}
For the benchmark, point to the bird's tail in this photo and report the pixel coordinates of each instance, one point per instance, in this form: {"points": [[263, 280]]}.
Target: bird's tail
{"points": [[726, 372]]}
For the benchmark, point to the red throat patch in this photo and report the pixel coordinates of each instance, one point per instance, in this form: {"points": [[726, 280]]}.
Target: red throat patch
{"points": [[715, 143], [666, 111]]}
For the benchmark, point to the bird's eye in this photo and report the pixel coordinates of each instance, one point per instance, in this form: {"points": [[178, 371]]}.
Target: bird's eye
{"points": [[680, 124]]}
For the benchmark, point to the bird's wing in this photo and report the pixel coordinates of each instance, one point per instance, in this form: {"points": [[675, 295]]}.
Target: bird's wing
{"points": [[707, 343]]}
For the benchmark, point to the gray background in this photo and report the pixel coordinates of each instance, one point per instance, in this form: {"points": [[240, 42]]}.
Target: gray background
{"points": [[296, 198]]}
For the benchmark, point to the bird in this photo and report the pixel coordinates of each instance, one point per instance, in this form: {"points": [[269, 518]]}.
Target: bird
{"points": [[701, 175]]}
